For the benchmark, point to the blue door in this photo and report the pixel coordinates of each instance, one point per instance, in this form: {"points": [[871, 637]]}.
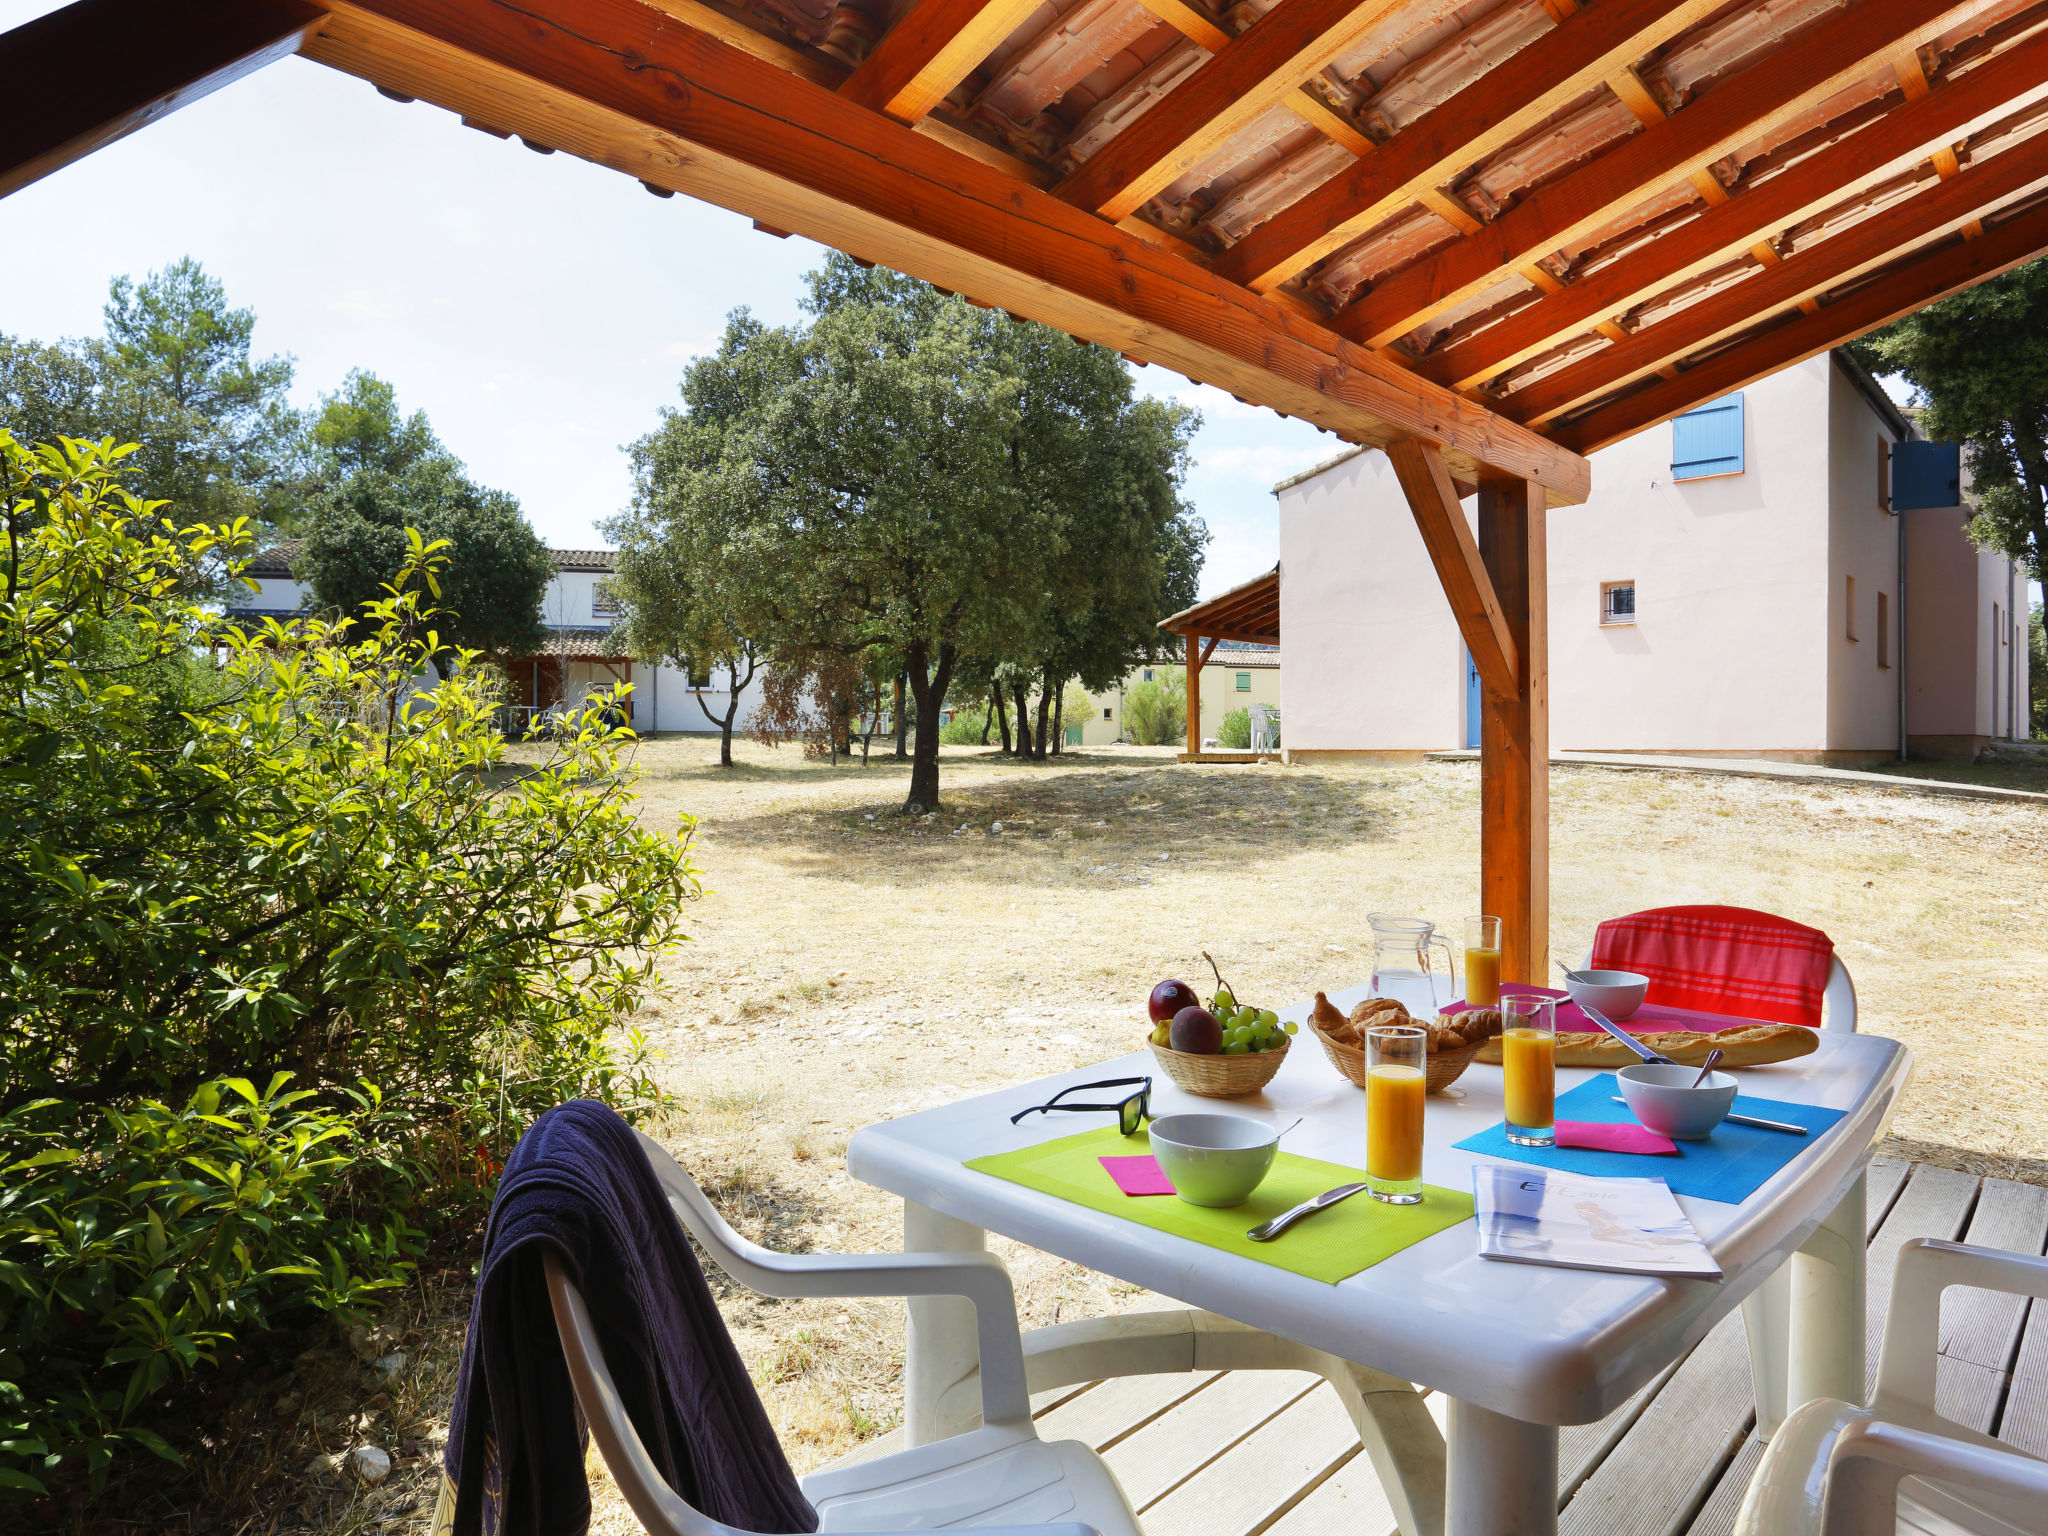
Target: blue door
{"points": [[1471, 699]]}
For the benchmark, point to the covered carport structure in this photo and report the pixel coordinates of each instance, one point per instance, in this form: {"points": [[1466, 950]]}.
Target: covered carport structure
{"points": [[1248, 612], [1486, 238]]}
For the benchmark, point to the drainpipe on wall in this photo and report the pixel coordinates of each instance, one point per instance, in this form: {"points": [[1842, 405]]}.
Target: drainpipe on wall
{"points": [[2012, 660], [1901, 519]]}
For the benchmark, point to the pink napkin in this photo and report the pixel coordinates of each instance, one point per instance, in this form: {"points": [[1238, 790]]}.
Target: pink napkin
{"points": [[1141, 1175], [1601, 1137]]}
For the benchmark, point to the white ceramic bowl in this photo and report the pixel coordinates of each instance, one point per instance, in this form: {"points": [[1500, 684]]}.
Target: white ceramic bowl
{"points": [[1664, 1100], [1618, 994], [1214, 1159]]}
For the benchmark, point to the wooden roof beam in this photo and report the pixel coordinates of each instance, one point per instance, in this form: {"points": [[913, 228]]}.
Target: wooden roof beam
{"points": [[920, 59], [1943, 207], [1894, 141], [1924, 279], [1499, 107], [1432, 497], [1806, 71], [1252, 73], [622, 84], [93, 72]]}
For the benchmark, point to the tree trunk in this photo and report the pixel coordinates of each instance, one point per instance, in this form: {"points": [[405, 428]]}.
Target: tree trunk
{"points": [[1044, 715], [1022, 699], [988, 715], [995, 694], [929, 690], [1059, 713], [900, 752]]}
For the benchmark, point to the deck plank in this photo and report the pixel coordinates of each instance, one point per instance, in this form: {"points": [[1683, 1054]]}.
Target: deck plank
{"points": [[2025, 1422], [1717, 1515], [1980, 1330], [1667, 1463], [1193, 1434], [1110, 1410], [1936, 1202], [1581, 1448], [1350, 1502], [1265, 1475]]}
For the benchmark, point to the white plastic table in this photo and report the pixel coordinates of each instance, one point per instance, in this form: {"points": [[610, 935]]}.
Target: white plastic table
{"points": [[1518, 1350]]}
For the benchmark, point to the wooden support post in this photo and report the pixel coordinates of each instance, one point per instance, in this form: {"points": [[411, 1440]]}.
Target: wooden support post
{"points": [[1194, 694], [1514, 737]]}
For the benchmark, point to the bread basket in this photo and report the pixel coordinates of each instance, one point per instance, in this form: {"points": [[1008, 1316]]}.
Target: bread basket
{"points": [[1444, 1066], [1220, 1077]]}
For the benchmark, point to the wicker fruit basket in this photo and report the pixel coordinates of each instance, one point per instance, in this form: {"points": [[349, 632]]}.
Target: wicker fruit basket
{"points": [[1221, 1077], [1444, 1066]]}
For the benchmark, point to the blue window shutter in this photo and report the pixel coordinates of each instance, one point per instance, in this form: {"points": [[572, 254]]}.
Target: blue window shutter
{"points": [[1708, 440], [1926, 475]]}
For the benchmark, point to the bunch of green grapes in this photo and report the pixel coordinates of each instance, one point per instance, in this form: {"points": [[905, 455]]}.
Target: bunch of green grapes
{"points": [[1248, 1030]]}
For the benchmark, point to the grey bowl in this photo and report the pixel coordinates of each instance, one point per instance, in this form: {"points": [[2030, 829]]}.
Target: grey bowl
{"points": [[1618, 994], [1662, 1098]]}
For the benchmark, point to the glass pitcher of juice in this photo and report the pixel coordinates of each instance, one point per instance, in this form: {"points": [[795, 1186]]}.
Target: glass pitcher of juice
{"points": [[1402, 951], [1482, 962]]}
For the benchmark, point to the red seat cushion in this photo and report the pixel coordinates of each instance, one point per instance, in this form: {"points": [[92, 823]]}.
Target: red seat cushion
{"points": [[1755, 965]]}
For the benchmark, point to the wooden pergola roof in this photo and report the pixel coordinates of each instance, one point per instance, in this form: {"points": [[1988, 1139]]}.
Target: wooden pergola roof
{"points": [[1489, 237], [1249, 612]]}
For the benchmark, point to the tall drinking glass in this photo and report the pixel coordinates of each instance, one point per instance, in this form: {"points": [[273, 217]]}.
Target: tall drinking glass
{"points": [[1528, 1058], [1396, 1078], [1482, 962]]}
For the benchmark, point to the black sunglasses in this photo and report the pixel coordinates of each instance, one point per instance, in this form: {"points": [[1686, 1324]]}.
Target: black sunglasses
{"points": [[1130, 1113]]}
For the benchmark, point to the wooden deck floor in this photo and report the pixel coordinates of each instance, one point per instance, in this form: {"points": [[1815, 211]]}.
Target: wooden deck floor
{"points": [[1272, 1453]]}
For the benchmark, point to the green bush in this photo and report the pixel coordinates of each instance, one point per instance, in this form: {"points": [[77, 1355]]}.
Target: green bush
{"points": [[230, 853], [139, 1240], [1235, 731], [1156, 713], [965, 728]]}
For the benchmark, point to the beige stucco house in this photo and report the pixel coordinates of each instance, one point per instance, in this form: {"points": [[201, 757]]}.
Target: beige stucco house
{"points": [[1744, 597], [1237, 677]]}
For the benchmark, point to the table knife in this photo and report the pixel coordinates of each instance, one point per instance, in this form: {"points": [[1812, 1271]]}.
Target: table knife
{"points": [[1761, 1124], [1268, 1230], [1627, 1039]]}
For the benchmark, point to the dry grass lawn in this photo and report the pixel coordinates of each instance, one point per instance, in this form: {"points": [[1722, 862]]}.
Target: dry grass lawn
{"points": [[849, 965]]}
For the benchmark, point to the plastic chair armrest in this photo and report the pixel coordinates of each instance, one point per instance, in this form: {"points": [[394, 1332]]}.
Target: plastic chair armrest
{"points": [[1912, 1333], [1872, 1456], [979, 1277]]}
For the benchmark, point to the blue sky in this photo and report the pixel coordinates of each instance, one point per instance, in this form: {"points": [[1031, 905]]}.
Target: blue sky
{"points": [[540, 309]]}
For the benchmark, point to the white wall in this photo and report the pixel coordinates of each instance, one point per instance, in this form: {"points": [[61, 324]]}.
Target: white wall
{"points": [[1863, 544], [1727, 653], [1373, 661]]}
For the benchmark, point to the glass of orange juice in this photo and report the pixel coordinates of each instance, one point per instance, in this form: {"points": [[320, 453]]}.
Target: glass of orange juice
{"points": [[1482, 962], [1528, 1058], [1396, 1078]]}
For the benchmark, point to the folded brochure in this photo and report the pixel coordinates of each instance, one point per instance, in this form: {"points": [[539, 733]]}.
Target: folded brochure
{"points": [[1629, 1226]]}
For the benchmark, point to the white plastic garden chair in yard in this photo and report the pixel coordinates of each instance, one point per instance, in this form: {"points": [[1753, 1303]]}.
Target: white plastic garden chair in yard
{"points": [[1000, 1475], [1833, 1469]]}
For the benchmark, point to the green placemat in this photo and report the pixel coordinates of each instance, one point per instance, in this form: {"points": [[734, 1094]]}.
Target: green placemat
{"points": [[1331, 1245]]}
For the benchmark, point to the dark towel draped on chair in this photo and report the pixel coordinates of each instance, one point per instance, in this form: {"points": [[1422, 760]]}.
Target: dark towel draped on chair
{"points": [[579, 1183]]}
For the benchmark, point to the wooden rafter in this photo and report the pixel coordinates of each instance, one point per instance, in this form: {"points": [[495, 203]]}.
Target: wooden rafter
{"points": [[1496, 109], [1942, 207], [81, 77], [930, 51], [1452, 550], [1828, 58], [1247, 77], [625, 85], [1899, 290], [1897, 139]]}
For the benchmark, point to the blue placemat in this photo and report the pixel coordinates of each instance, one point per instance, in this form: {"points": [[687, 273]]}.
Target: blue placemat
{"points": [[1730, 1165]]}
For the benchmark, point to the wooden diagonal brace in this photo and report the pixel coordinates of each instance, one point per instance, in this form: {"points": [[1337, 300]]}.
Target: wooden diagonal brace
{"points": [[1433, 498]]}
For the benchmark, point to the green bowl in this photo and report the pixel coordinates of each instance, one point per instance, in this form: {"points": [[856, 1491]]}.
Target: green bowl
{"points": [[1214, 1160]]}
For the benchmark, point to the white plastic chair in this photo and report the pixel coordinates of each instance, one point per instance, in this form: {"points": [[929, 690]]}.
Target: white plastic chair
{"points": [[1838, 1001], [998, 1476], [1833, 1469]]}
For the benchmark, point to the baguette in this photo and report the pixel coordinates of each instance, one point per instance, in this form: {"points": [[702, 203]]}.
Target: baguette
{"points": [[1752, 1047]]}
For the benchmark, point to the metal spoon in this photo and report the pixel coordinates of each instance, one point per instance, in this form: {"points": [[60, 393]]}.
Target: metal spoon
{"points": [[1571, 975], [1705, 1067]]}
